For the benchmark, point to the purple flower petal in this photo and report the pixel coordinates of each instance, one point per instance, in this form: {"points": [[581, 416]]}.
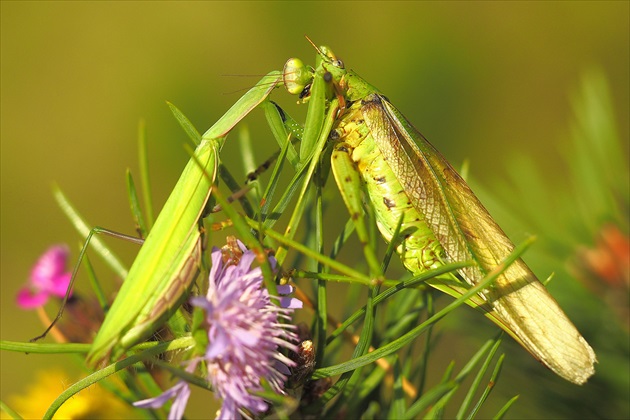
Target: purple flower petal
{"points": [[284, 289], [229, 411], [291, 303], [180, 392], [180, 402], [160, 400]]}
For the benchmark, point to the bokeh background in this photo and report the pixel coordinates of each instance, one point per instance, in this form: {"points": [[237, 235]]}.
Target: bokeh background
{"points": [[490, 82]]}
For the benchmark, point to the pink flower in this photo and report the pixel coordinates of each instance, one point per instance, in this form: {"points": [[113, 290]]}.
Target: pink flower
{"points": [[48, 278]]}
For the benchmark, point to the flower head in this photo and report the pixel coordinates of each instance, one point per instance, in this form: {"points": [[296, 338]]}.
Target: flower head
{"points": [[48, 278], [245, 330]]}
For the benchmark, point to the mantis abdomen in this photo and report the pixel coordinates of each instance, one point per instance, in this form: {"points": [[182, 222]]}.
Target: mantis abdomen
{"points": [[417, 246]]}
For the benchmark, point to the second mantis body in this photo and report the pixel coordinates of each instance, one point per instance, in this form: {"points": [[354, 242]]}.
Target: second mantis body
{"points": [[406, 179]]}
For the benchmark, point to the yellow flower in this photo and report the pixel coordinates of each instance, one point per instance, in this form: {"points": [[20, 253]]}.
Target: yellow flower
{"points": [[93, 402]]}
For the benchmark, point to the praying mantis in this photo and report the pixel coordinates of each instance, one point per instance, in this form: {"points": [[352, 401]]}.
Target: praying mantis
{"points": [[168, 262], [406, 179], [378, 157]]}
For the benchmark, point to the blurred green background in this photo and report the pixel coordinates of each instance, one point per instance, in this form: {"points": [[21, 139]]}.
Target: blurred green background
{"points": [[486, 81]]}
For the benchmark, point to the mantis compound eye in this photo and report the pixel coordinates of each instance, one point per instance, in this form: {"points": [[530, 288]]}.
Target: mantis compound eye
{"points": [[296, 76]]}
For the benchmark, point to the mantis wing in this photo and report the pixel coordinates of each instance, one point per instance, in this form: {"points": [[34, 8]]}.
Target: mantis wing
{"points": [[517, 302]]}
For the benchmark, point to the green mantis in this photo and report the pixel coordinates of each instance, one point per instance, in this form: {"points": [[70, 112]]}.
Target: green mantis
{"points": [[406, 178], [169, 259]]}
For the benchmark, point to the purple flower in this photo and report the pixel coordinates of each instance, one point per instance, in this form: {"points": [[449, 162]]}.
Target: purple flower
{"points": [[245, 330], [48, 278]]}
